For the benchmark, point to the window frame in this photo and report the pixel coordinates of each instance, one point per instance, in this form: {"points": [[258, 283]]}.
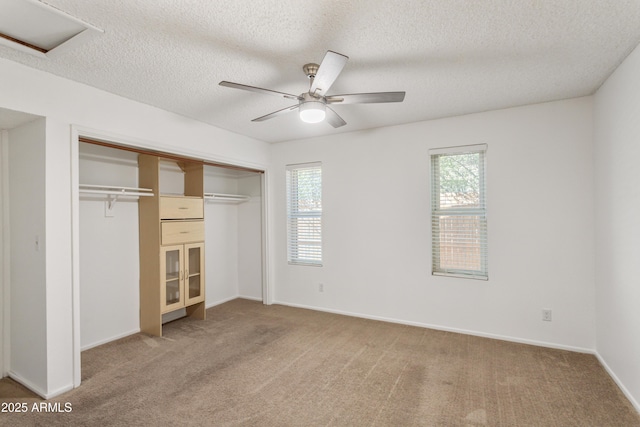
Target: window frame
{"points": [[293, 242], [480, 212]]}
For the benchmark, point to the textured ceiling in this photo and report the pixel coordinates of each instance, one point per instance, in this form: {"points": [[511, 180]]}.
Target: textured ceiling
{"points": [[452, 57]]}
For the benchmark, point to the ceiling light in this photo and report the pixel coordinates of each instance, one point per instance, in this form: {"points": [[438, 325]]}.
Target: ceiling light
{"points": [[312, 112]]}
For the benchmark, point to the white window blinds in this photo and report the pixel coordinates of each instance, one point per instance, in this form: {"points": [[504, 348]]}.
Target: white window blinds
{"points": [[304, 213], [458, 211]]}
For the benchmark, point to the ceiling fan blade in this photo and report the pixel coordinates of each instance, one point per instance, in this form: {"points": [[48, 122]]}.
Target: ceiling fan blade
{"points": [[328, 72], [366, 98], [276, 113], [257, 89], [333, 118]]}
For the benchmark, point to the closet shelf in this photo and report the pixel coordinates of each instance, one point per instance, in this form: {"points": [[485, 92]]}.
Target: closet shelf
{"points": [[114, 192], [220, 197]]}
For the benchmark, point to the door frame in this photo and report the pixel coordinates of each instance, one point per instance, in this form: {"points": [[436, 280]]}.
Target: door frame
{"points": [[5, 261]]}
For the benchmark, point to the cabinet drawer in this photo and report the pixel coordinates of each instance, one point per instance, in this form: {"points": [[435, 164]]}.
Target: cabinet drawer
{"points": [[176, 232], [181, 207]]}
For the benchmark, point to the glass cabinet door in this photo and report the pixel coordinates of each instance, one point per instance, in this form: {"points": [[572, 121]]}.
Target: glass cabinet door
{"points": [[194, 275], [172, 274]]}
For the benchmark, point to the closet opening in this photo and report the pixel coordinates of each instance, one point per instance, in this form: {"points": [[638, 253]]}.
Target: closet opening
{"points": [[109, 237]]}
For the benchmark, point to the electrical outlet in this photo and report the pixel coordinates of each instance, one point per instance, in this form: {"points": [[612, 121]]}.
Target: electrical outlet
{"points": [[320, 287], [546, 314]]}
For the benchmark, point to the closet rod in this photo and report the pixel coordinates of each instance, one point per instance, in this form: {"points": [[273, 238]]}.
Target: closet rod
{"points": [[117, 188], [116, 193], [226, 197]]}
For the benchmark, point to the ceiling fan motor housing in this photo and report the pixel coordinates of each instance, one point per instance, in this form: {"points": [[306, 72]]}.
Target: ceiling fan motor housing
{"points": [[310, 70]]}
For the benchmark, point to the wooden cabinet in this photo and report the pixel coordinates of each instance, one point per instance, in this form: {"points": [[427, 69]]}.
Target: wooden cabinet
{"points": [[194, 273], [172, 273], [182, 276]]}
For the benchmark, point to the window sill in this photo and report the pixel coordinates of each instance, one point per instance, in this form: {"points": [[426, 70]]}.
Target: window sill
{"points": [[307, 264], [460, 276]]}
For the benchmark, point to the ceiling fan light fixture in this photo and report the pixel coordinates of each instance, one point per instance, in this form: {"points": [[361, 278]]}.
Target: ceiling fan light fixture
{"points": [[312, 111], [312, 105]]}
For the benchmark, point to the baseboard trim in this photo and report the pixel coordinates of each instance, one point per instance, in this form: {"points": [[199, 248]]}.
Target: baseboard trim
{"points": [[59, 391], [38, 390], [213, 304], [443, 328], [619, 383], [108, 340], [28, 384], [249, 298], [222, 301]]}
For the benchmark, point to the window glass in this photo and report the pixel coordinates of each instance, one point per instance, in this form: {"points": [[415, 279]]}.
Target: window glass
{"points": [[304, 214], [458, 212]]}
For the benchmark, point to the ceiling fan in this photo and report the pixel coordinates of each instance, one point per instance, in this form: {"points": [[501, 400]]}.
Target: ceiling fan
{"points": [[313, 105]]}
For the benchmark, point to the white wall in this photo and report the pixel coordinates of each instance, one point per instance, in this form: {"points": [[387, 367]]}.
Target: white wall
{"points": [[59, 259], [221, 242], [41, 312], [28, 306], [250, 238], [109, 256], [233, 249], [617, 150], [376, 235], [94, 113]]}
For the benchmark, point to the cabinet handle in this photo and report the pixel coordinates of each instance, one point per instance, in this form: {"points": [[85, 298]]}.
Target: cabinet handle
{"points": [[184, 232], [183, 208]]}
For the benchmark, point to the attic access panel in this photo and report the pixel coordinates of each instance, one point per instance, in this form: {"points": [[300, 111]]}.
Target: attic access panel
{"points": [[37, 28]]}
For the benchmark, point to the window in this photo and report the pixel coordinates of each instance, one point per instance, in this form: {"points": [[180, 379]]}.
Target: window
{"points": [[458, 211], [304, 214]]}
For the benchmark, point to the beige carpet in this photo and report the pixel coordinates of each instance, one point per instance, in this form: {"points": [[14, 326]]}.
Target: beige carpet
{"points": [[250, 364]]}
